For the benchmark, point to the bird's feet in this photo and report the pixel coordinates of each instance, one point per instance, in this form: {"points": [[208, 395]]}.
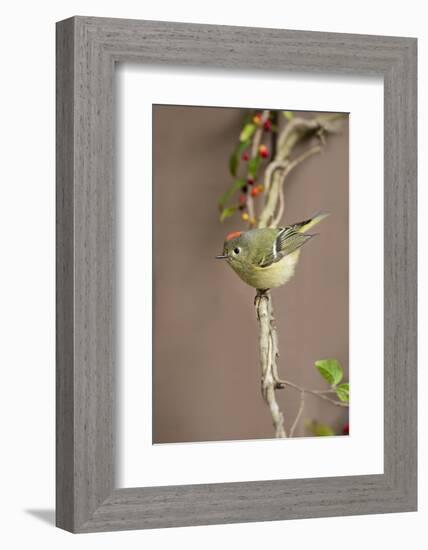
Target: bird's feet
{"points": [[262, 294]]}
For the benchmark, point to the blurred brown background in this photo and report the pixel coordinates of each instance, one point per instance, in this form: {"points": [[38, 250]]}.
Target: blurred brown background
{"points": [[206, 374]]}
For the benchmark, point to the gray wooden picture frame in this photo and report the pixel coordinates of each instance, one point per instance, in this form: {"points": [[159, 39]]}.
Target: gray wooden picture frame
{"points": [[87, 51]]}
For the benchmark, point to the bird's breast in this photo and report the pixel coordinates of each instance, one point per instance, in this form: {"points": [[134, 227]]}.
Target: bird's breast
{"points": [[272, 276]]}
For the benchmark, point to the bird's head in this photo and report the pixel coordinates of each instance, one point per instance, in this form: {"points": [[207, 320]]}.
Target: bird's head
{"points": [[236, 248]]}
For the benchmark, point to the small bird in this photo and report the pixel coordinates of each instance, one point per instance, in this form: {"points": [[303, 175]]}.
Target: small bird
{"points": [[266, 258]]}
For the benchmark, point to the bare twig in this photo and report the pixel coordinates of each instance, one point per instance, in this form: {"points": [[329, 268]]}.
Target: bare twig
{"points": [[270, 170], [318, 393], [298, 160], [272, 196], [268, 351], [299, 128], [299, 414], [251, 212], [281, 204]]}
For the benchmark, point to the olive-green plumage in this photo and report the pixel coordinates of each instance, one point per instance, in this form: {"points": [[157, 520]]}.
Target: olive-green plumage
{"points": [[266, 258]]}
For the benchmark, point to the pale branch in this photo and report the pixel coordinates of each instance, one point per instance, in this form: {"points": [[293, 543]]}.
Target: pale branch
{"points": [[318, 393], [272, 197], [274, 339], [300, 128], [298, 160], [277, 416], [294, 132], [299, 414], [251, 210], [270, 170], [281, 205], [268, 352]]}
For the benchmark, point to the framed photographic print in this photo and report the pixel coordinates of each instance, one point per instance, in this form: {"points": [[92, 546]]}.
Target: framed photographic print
{"points": [[236, 274]]}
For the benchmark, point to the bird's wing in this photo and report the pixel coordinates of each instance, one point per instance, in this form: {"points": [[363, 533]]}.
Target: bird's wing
{"points": [[288, 240], [304, 226]]}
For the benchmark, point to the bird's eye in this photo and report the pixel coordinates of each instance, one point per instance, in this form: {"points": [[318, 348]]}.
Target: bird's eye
{"points": [[237, 250]]}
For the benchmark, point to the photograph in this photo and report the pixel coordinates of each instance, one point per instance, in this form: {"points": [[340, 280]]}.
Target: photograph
{"points": [[250, 273], [210, 237]]}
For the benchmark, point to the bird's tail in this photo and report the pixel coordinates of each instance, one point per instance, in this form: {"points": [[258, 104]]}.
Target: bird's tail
{"points": [[304, 226]]}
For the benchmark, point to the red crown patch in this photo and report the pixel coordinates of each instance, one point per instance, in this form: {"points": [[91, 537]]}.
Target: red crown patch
{"points": [[232, 235]]}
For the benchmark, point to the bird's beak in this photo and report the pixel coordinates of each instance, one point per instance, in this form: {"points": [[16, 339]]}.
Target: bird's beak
{"points": [[220, 257]]}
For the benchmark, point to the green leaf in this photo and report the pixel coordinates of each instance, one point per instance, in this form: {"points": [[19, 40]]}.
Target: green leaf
{"points": [[227, 212], [253, 166], [343, 392], [247, 132], [234, 157], [233, 163], [288, 114], [330, 370], [318, 429], [236, 185]]}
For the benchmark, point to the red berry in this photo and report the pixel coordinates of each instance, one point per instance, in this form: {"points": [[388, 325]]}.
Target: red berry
{"points": [[345, 429], [267, 125], [245, 156], [263, 151], [254, 192], [242, 199], [250, 180]]}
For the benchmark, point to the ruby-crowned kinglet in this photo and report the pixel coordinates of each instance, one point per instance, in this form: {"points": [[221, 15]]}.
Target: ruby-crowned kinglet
{"points": [[266, 258]]}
